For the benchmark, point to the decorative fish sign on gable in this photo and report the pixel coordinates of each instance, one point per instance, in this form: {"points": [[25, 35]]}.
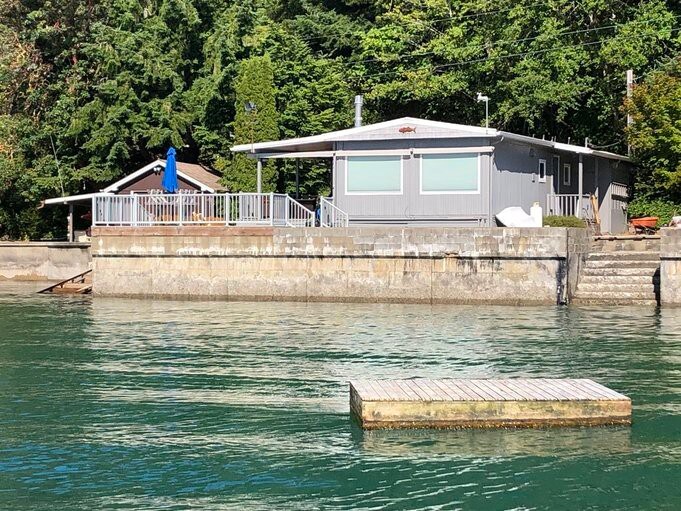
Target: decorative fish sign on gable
{"points": [[407, 129]]}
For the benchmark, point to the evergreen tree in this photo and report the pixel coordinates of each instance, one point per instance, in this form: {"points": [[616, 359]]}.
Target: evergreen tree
{"points": [[254, 87], [90, 90]]}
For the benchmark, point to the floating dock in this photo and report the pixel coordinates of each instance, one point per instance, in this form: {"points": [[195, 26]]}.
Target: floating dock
{"points": [[462, 403]]}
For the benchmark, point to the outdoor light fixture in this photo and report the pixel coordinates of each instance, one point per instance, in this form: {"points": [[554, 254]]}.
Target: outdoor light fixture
{"points": [[486, 100], [157, 169], [250, 107]]}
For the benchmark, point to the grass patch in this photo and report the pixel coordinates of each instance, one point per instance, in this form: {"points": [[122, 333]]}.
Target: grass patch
{"points": [[563, 221]]}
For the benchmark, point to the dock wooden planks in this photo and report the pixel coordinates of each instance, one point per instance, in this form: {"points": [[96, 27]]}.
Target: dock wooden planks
{"points": [[518, 402]]}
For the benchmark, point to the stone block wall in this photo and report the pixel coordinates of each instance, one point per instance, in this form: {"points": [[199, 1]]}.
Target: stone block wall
{"points": [[670, 267], [43, 261], [357, 264]]}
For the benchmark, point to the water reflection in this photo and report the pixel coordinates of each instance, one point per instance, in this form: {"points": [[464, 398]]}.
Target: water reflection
{"points": [[495, 443], [143, 404]]}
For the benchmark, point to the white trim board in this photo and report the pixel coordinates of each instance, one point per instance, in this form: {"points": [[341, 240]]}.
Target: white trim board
{"points": [[453, 150]]}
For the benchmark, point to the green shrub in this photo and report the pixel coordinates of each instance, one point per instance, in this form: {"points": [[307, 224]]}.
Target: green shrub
{"points": [[645, 206], [563, 221]]}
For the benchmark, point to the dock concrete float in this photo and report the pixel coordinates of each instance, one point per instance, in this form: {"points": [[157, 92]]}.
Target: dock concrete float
{"points": [[353, 264], [492, 403]]}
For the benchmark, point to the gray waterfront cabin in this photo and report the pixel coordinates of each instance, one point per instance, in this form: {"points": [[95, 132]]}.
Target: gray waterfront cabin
{"points": [[412, 171]]}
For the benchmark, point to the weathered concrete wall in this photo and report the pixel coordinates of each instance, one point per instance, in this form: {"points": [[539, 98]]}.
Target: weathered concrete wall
{"points": [[670, 267], [43, 261], [579, 244], [359, 264]]}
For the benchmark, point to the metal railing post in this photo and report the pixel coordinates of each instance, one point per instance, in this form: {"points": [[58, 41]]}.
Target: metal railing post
{"points": [[271, 208], [287, 206]]}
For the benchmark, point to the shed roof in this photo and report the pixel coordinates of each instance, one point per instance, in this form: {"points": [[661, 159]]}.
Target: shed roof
{"points": [[404, 128], [198, 175]]}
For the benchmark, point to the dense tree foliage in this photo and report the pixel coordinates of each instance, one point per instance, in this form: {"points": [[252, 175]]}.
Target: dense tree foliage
{"points": [[655, 133], [92, 89]]}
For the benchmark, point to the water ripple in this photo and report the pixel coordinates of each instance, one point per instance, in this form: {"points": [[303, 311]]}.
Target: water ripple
{"points": [[144, 404]]}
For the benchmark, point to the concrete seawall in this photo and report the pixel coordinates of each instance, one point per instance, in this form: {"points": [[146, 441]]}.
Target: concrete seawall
{"points": [[670, 267], [360, 264], [42, 260]]}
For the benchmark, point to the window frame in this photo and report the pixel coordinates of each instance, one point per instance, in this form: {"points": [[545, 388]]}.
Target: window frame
{"points": [[567, 174], [477, 191], [539, 165], [377, 192]]}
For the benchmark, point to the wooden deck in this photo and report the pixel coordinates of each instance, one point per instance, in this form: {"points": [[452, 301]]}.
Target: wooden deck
{"points": [[519, 402]]}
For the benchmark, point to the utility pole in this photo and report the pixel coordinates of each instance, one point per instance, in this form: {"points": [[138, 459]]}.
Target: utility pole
{"points": [[630, 88]]}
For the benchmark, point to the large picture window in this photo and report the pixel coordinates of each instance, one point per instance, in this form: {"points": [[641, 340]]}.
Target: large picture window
{"points": [[374, 175], [450, 173]]}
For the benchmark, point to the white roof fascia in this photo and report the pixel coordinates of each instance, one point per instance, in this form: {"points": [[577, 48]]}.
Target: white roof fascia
{"points": [[577, 149], [559, 146], [72, 198], [343, 134], [301, 154], [117, 185]]}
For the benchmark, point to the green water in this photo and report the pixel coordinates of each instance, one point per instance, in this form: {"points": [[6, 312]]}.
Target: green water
{"points": [[132, 404]]}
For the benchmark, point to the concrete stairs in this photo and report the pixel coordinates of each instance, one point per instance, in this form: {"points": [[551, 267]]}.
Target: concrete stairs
{"points": [[618, 273]]}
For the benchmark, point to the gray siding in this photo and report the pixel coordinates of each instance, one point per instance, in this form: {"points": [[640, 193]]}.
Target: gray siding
{"points": [[515, 179], [508, 177], [617, 207], [411, 206]]}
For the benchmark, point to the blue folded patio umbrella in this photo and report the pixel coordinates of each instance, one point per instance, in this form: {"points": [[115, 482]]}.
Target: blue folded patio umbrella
{"points": [[169, 182]]}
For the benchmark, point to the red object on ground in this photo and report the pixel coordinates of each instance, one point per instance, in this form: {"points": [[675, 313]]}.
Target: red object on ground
{"points": [[648, 222]]}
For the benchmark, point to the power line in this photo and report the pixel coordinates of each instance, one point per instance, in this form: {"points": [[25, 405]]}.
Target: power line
{"points": [[454, 17], [502, 57], [508, 41]]}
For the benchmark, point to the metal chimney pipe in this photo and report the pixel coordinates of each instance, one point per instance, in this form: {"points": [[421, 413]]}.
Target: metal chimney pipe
{"points": [[359, 101]]}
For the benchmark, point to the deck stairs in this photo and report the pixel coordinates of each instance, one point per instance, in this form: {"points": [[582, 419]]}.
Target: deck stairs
{"points": [[78, 284], [621, 271]]}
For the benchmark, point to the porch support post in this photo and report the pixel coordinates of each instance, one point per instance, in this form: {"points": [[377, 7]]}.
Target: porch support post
{"points": [[259, 178], [70, 223], [580, 187], [597, 191]]}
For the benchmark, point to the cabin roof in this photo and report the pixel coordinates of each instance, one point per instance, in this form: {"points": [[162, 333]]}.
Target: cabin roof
{"points": [[404, 128]]}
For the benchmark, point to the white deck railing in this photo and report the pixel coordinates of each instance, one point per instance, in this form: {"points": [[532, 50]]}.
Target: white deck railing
{"points": [[200, 209], [569, 204], [330, 215], [619, 190]]}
